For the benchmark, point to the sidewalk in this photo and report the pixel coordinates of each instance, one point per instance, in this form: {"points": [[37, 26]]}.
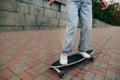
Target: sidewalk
{"points": [[26, 55]]}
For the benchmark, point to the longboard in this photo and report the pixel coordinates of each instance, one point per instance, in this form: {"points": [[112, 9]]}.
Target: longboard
{"points": [[72, 59]]}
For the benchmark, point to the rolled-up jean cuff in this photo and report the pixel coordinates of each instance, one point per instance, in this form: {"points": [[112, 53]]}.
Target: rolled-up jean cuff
{"points": [[81, 50], [66, 51]]}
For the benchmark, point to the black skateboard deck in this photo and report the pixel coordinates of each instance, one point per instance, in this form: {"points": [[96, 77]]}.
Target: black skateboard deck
{"points": [[72, 59]]}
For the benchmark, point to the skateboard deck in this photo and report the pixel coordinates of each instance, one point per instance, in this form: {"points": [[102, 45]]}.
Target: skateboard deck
{"points": [[72, 59]]}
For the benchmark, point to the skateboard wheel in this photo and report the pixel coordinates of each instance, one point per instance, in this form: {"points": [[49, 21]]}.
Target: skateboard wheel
{"points": [[62, 74], [92, 59]]}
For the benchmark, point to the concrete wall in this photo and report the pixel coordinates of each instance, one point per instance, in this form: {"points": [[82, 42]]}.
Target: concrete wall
{"points": [[18, 15], [97, 23]]}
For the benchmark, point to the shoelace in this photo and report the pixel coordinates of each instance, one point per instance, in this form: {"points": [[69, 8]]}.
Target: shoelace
{"points": [[64, 56]]}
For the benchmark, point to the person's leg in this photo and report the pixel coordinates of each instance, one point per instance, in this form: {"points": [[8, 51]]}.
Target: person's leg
{"points": [[69, 36], [72, 23], [86, 23]]}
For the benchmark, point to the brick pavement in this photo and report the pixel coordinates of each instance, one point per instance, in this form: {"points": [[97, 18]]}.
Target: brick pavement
{"points": [[26, 55]]}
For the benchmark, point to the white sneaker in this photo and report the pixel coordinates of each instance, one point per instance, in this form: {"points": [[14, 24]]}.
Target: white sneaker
{"points": [[85, 55], [63, 59]]}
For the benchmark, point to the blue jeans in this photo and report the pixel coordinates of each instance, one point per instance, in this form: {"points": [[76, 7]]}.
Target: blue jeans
{"points": [[77, 10]]}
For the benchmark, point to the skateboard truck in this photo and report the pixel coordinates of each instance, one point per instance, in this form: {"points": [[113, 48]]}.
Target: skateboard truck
{"points": [[92, 59], [61, 73]]}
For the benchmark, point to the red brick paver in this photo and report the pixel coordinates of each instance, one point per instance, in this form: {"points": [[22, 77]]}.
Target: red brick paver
{"points": [[6, 74], [26, 55]]}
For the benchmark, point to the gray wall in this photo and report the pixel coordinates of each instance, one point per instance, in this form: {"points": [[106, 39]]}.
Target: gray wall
{"points": [[16, 15]]}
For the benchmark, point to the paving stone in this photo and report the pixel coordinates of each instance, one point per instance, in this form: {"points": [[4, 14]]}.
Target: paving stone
{"points": [[19, 68], [12, 51], [41, 78], [44, 69], [52, 74], [2, 67], [32, 62], [96, 63], [27, 52], [101, 55], [15, 78], [98, 70], [97, 77], [5, 58], [48, 79], [102, 65], [110, 75], [112, 62], [25, 76], [41, 58], [24, 58], [33, 72], [86, 68], [68, 77], [75, 78], [44, 48], [6, 74], [38, 67], [89, 76], [117, 76], [118, 64]]}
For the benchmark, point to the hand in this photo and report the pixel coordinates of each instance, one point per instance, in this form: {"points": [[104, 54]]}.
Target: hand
{"points": [[51, 2], [104, 4]]}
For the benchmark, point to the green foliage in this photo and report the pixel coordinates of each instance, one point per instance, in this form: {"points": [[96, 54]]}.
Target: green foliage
{"points": [[104, 15]]}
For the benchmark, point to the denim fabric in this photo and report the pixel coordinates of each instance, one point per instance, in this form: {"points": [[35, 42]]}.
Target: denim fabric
{"points": [[77, 10]]}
